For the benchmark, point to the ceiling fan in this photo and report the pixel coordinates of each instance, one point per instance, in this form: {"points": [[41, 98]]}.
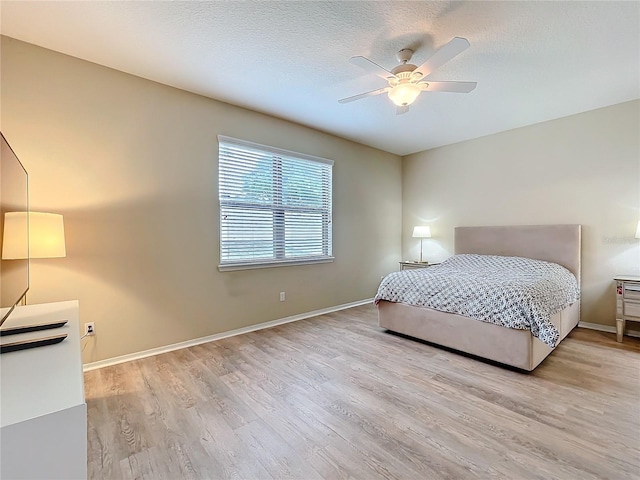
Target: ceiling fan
{"points": [[406, 80]]}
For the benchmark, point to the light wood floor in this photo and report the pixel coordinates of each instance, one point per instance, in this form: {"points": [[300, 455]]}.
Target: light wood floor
{"points": [[337, 397]]}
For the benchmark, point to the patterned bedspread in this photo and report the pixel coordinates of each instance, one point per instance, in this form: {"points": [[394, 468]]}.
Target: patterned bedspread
{"points": [[514, 292]]}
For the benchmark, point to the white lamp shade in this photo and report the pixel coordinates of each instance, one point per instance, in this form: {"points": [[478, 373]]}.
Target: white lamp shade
{"points": [[421, 231], [46, 235], [404, 94], [638, 230]]}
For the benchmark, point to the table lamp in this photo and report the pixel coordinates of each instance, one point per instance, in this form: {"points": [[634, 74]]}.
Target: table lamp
{"points": [[46, 240], [421, 232]]}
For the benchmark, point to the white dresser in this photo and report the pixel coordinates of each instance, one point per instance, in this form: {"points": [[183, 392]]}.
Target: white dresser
{"points": [[43, 413], [627, 302]]}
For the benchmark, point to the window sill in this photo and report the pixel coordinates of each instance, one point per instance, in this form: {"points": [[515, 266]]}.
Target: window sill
{"points": [[229, 267]]}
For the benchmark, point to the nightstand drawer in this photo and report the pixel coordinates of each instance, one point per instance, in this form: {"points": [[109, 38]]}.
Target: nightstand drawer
{"points": [[411, 265], [632, 292], [632, 309]]}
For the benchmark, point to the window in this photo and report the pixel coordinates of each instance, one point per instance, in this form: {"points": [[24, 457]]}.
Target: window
{"points": [[275, 206]]}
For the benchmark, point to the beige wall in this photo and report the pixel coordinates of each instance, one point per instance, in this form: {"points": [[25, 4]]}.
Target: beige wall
{"points": [[580, 169], [132, 165]]}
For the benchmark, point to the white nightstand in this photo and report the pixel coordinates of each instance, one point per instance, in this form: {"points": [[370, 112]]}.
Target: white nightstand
{"points": [[627, 302], [410, 265]]}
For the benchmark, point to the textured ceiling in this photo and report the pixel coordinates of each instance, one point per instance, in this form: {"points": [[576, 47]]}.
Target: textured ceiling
{"points": [[533, 61]]}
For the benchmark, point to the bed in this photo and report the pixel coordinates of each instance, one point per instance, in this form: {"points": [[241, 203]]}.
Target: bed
{"points": [[560, 244]]}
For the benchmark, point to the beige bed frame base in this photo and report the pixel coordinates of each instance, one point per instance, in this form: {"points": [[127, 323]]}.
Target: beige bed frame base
{"points": [[518, 348]]}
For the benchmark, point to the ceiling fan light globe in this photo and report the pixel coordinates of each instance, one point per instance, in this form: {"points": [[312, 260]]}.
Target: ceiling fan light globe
{"points": [[404, 94]]}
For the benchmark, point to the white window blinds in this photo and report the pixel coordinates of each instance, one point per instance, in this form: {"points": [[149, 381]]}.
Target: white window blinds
{"points": [[275, 206]]}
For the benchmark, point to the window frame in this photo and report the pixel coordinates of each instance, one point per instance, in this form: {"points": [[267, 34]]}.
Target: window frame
{"points": [[279, 259]]}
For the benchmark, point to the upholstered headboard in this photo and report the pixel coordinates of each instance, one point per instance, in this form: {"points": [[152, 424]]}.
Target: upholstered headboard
{"points": [[560, 244]]}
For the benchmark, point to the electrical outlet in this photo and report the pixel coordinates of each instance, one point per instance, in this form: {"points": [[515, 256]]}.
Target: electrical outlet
{"points": [[89, 328], [282, 296]]}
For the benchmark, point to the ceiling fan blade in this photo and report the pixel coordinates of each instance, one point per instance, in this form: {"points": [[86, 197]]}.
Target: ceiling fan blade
{"points": [[402, 109], [455, 87], [443, 55], [370, 66], [363, 95]]}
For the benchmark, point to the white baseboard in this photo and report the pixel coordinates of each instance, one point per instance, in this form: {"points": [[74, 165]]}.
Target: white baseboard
{"points": [[608, 328], [218, 336]]}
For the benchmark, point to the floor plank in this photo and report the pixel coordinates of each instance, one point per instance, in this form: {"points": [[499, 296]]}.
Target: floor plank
{"points": [[336, 397]]}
